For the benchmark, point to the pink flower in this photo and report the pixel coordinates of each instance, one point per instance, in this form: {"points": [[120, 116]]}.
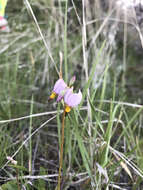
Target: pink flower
{"points": [[58, 89], [63, 91], [72, 99]]}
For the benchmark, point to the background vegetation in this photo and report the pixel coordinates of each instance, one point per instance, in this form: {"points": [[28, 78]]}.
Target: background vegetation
{"points": [[103, 136]]}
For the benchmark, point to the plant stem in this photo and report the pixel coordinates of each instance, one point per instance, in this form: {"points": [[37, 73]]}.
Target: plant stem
{"points": [[61, 151], [17, 179], [65, 41], [30, 140]]}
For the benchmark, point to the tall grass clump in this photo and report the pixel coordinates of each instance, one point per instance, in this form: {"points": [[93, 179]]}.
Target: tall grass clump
{"points": [[97, 144]]}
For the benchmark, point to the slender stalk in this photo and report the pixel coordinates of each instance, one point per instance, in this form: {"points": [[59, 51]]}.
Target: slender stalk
{"points": [[17, 179], [61, 62], [30, 140], [61, 151], [124, 52], [65, 41]]}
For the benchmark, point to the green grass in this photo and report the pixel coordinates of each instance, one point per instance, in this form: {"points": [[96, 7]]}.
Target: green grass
{"points": [[103, 135]]}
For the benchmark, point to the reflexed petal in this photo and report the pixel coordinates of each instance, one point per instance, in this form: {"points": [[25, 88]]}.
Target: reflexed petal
{"points": [[72, 99], [59, 86], [68, 93]]}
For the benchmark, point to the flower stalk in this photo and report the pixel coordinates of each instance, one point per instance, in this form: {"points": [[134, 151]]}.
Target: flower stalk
{"points": [[64, 92], [61, 151]]}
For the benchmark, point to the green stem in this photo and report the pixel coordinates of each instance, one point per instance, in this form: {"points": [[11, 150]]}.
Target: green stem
{"points": [[17, 179], [65, 41], [30, 140], [61, 151]]}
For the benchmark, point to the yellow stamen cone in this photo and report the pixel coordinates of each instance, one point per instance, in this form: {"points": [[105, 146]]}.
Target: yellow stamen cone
{"points": [[67, 109], [53, 95]]}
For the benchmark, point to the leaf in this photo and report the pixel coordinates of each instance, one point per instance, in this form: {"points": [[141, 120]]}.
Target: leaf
{"points": [[18, 167], [11, 185]]}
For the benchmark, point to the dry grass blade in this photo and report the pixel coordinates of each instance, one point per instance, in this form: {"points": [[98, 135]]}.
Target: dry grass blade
{"points": [[124, 166], [127, 161]]}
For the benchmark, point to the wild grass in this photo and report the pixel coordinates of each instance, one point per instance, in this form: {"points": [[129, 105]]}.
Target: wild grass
{"points": [[103, 135]]}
